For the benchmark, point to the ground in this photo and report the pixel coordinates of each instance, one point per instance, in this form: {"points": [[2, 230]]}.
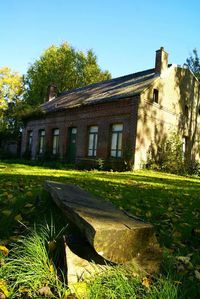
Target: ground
{"points": [[171, 203]]}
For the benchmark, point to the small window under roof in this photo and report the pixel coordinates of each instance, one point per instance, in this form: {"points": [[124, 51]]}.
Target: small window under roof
{"points": [[155, 95]]}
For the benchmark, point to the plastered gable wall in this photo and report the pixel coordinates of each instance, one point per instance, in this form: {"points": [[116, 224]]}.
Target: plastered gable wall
{"points": [[177, 88]]}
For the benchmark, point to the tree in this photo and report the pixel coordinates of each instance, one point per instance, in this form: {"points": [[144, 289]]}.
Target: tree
{"points": [[11, 88], [63, 66], [193, 62]]}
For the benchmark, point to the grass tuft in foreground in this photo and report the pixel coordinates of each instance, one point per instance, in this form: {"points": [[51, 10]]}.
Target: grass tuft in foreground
{"points": [[119, 283], [29, 270]]}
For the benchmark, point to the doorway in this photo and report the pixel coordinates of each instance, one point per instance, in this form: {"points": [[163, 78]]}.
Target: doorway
{"points": [[72, 145]]}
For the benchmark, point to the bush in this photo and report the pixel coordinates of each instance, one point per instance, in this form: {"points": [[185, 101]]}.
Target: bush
{"points": [[193, 167], [169, 155]]}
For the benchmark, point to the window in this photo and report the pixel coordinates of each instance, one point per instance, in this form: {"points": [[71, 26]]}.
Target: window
{"points": [[73, 131], [55, 141], [30, 141], [155, 95], [92, 144], [41, 141], [116, 141]]}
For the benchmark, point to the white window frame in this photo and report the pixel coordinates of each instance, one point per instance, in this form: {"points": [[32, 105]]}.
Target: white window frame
{"points": [[41, 141], [92, 141], [116, 140], [56, 140]]}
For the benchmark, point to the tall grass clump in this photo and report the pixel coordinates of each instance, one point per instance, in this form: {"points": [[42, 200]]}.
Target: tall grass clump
{"points": [[29, 269], [120, 283]]}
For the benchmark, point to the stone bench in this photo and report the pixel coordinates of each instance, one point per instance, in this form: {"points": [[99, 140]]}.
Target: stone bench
{"points": [[114, 234]]}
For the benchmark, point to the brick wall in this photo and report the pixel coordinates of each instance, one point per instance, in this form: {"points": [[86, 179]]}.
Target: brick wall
{"points": [[102, 115]]}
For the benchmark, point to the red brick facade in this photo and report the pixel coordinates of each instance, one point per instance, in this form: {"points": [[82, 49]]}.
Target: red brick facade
{"points": [[103, 115]]}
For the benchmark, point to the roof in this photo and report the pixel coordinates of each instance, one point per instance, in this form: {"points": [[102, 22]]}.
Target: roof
{"points": [[104, 91]]}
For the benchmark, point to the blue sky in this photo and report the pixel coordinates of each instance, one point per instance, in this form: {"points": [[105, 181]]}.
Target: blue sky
{"points": [[123, 34]]}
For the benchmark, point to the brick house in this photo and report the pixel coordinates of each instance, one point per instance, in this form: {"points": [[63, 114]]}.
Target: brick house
{"points": [[119, 120]]}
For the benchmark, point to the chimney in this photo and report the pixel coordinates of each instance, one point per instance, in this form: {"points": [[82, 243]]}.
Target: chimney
{"points": [[51, 92], [161, 63]]}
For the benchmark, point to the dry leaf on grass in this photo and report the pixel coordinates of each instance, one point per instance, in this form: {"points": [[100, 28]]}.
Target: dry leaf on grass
{"points": [[146, 282], [4, 250], [3, 289]]}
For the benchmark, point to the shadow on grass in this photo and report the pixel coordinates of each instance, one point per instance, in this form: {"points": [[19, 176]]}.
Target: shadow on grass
{"points": [[171, 203], [166, 202]]}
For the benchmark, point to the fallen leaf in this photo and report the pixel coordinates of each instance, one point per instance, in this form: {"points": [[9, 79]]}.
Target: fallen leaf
{"points": [[9, 196], [184, 259], [51, 268], [2, 296], [146, 282], [6, 212], [18, 217], [28, 205], [4, 250], [4, 288], [29, 194], [148, 214], [51, 245], [45, 291], [197, 274], [183, 263], [24, 290], [177, 282], [79, 288], [176, 234], [69, 296]]}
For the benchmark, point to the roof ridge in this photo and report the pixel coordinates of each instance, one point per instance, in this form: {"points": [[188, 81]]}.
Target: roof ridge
{"points": [[104, 81], [119, 87]]}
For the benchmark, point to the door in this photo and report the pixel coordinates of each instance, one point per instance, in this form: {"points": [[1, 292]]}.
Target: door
{"points": [[72, 145]]}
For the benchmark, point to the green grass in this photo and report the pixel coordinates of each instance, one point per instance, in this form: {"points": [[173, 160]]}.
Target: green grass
{"points": [[29, 268], [170, 202], [120, 284]]}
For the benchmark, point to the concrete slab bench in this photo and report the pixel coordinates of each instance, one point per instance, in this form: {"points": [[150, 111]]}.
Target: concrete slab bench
{"points": [[116, 235]]}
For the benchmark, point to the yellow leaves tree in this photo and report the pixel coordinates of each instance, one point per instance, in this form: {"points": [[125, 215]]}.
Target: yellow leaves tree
{"points": [[11, 88]]}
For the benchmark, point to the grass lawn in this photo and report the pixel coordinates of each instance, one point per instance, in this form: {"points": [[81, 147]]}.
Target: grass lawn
{"points": [[171, 203]]}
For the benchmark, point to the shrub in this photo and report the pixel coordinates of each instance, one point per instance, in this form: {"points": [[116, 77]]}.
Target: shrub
{"points": [[169, 155]]}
